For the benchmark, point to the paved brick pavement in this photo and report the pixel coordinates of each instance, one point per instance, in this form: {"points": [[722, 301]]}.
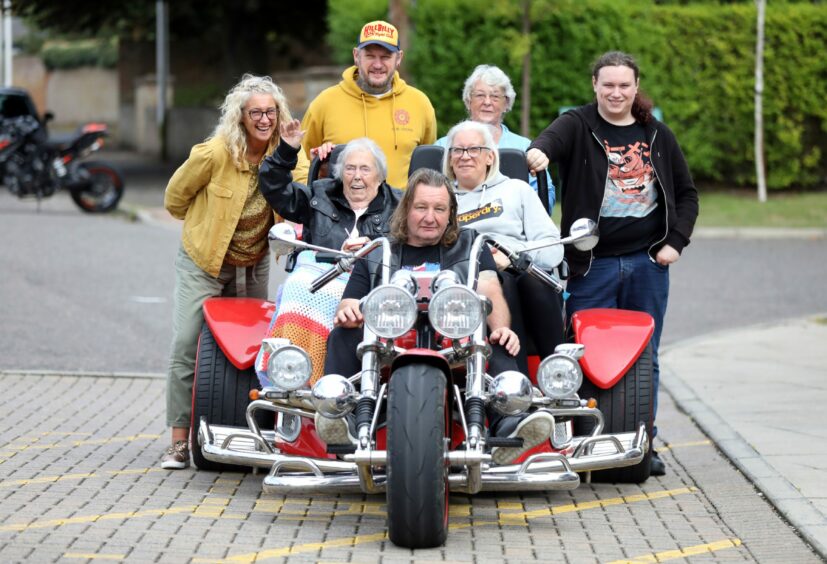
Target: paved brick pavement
{"points": [[79, 482]]}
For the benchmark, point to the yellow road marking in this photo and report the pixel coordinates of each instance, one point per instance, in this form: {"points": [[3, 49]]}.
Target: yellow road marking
{"points": [[505, 519], [215, 507], [706, 442], [65, 477], [93, 556], [682, 552], [95, 518], [14, 447]]}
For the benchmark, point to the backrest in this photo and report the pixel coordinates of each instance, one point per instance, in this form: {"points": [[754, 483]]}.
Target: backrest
{"points": [[512, 164], [426, 156], [322, 169], [512, 161]]}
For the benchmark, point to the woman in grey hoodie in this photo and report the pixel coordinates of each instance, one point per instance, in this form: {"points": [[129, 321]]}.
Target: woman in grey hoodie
{"points": [[510, 210]]}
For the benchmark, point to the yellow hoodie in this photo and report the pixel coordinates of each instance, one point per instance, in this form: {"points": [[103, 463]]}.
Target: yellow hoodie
{"points": [[397, 121]]}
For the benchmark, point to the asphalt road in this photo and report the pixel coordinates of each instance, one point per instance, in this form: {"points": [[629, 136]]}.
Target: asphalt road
{"points": [[82, 292]]}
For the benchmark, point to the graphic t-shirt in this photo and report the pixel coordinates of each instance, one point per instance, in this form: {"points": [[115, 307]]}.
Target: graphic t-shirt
{"points": [[629, 217], [413, 258]]}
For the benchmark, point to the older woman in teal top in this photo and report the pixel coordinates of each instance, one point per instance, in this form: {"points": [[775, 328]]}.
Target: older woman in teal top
{"points": [[488, 95]]}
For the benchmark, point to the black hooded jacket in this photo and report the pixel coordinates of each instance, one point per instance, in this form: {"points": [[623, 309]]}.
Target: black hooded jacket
{"points": [[573, 142], [321, 208]]}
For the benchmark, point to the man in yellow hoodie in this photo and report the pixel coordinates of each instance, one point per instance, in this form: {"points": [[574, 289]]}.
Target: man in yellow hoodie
{"points": [[373, 101]]}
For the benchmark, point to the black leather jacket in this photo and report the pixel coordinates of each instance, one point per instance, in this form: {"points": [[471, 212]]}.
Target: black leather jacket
{"points": [[321, 208]]}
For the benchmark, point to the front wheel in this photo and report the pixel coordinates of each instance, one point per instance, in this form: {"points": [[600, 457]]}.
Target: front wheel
{"points": [[624, 405], [220, 393], [417, 485], [103, 189]]}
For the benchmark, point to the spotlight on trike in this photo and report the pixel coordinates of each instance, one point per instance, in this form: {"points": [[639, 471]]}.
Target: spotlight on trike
{"points": [[282, 238], [559, 376], [333, 396], [584, 234], [289, 367], [510, 393]]}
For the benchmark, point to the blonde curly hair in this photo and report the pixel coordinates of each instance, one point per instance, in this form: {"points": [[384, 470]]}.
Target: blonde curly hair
{"points": [[230, 126]]}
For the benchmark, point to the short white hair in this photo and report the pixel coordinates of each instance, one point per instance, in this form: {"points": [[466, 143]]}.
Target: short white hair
{"points": [[493, 77], [362, 144], [483, 129]]}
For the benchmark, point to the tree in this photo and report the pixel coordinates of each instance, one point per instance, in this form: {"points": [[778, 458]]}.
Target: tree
{"points": [[251, 35]]}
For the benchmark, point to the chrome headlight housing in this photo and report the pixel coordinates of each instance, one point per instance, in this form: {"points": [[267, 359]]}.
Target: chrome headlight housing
{"points": [[511, 393], [389, 311], [289, 368], [559, 376], [455, 311], [334, 396]]}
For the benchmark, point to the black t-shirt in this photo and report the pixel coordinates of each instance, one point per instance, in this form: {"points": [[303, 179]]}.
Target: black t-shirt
{"points": [[412, 258], [631, 217]]}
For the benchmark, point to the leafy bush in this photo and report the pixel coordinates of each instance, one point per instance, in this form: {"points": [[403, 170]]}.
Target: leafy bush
{"points": [[345, 20], [66, 54], [697, 64]]}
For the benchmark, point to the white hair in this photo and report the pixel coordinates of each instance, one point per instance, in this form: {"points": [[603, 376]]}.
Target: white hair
{"points": [[483, 129], [362, 144], [493, 77]]}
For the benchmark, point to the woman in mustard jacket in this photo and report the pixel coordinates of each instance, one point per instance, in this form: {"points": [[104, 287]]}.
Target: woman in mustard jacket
{"points": [[224, 250]]}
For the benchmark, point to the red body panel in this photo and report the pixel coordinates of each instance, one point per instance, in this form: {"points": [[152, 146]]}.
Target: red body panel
{"points": [[239, 325], [307, 443], [614, 339]]}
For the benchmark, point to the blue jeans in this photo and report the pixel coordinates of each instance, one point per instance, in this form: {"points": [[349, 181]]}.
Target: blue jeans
{"points": [[632, 281]]}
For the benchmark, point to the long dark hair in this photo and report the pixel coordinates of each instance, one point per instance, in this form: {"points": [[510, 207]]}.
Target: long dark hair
{"points": [[399, 219], [642, 105]]}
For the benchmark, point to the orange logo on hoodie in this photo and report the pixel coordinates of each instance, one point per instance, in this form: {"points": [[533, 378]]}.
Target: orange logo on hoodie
{"points": [[402, 117]]}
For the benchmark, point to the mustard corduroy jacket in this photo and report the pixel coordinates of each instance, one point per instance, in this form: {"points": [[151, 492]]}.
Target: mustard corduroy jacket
{"points": [[208, 192]]}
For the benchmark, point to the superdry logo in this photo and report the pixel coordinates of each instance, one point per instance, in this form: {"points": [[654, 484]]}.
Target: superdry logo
{"points": [[493, 209], [402, 117]]}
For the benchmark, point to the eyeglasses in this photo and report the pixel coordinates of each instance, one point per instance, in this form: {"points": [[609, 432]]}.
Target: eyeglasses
{"points": [[256, 115], [473, 152], [481, 96]]}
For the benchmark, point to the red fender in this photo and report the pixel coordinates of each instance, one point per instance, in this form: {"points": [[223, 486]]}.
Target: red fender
{"points": [[425, 356], [614, 339], [239, 325]]}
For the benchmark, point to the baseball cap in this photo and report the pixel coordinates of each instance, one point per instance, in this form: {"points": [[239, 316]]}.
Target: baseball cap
{"points": [[379, 33]]}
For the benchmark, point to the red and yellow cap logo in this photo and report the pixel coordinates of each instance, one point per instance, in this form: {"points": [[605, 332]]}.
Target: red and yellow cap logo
{"points": [[379, 33]]}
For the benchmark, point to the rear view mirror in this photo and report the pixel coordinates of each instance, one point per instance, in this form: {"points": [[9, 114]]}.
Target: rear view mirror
{"points": [[282, 239], [584, 234]]}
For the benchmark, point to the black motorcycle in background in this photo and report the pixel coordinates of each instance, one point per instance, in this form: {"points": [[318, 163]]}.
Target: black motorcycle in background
{"points": [[32, 165]]}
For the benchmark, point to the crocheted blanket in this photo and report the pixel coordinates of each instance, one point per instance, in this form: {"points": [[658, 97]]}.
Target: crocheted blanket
{"points": [[305, 319]]}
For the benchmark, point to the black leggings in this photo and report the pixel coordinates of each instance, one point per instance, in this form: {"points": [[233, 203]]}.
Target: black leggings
{"points": [[536, 315]]}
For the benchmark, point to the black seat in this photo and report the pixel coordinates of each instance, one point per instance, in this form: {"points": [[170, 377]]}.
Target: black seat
{"points": [[317, 171], [426, 156]]}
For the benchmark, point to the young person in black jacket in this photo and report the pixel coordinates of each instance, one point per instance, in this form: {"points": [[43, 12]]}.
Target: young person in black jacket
{"points": [[621, 167]]}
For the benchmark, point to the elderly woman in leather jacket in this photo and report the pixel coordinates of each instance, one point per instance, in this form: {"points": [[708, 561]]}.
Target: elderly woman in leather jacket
{"points": [[345, 212], [340, 212]]}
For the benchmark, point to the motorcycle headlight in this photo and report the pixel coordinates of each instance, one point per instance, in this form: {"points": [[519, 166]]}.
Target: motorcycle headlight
{"points": [[559, 376], [289, 368], [455, 311], [389, 311]]}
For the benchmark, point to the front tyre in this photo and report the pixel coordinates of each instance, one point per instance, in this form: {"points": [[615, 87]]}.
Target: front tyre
{"points": [[624, 405], [417, 483], [220, 394], [103, 190]]}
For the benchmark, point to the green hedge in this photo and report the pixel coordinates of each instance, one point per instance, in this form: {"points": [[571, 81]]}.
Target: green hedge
{"points": [[697, 64], [64, 54]]}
